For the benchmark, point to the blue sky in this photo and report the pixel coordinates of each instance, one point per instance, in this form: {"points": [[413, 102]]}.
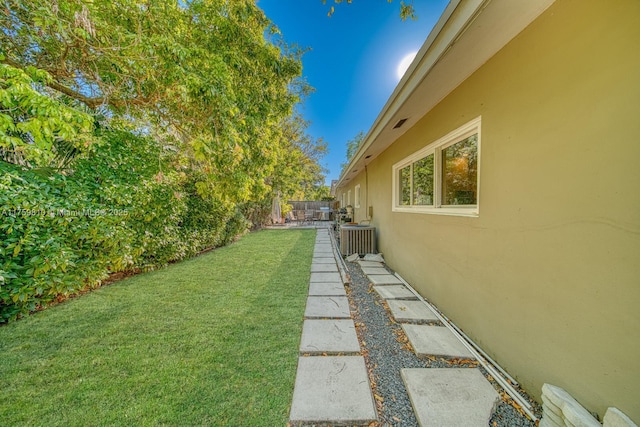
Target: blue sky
{"points": [[352, 60]]}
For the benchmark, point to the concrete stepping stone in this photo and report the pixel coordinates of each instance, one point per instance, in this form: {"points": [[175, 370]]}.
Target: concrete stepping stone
{"points": [[323, 260], [326, 289], [326, 277], [408, 311], [369, 264], [332, 390], [435, 341], [336, 307], [324, 268], [384, 279], [450, 396], [329, 336], [394, 292], [323, 252], [374, 270]]}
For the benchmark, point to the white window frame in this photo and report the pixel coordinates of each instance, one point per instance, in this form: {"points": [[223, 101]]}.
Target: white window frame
{"points": [[471, 128], [349, 198], [356, 197]]}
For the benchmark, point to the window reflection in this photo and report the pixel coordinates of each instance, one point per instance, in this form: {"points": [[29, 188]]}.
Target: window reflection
{"points": [[460, 172], [423, 181]]}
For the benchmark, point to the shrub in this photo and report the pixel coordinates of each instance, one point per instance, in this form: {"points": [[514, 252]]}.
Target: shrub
{"points": [[122, 207]]}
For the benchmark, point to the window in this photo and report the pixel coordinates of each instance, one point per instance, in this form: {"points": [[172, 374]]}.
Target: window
{"points": [[344, 204], [349, 198], [443, 177], [356, 197]]}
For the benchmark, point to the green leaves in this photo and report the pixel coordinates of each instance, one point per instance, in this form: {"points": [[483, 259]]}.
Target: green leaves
{"points": [[33, 126], [406, 10], [198, 75]]}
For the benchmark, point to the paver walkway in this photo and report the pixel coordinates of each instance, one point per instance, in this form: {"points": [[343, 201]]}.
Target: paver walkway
{"points": [[332, 386]]}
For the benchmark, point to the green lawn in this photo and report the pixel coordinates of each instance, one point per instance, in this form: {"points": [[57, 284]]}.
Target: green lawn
{"points": [[210, 341]]}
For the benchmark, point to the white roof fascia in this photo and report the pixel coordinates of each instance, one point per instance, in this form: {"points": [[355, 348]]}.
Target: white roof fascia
{"points": [[456, 47], [426, 57]]}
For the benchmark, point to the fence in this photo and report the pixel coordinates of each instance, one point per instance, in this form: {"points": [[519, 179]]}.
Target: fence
{"points": [[309, 210]]}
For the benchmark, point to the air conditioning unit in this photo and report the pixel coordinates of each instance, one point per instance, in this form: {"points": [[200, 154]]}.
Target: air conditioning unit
{"points": [[357, 239]]}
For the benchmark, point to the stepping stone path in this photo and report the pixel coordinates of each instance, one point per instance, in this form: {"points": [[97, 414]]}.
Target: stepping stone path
{"points": [[332, 385], [330, 390], [450, 396], [439, 396]]}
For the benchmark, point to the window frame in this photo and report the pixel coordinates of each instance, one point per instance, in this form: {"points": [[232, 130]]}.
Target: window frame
{"points": [[356, 197], [465, 131]]}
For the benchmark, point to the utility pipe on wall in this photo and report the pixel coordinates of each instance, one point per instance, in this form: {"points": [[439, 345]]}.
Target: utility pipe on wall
{"points": [[491, 367]]}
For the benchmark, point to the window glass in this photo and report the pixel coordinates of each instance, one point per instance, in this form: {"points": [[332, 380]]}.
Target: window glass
{"points": [[405, 186], [423, 181], [460, 172]]}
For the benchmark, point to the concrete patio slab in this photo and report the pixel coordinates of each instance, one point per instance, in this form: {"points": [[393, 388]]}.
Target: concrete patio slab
{"points": [[326, 277], [369, 264], [435, 341], [329, 336], [324, 268], [336, 307], [384, 279], [408, 311], [332, 390], [374, 270], [394, 292], [327, 289], [320, 259], [450, 396]]}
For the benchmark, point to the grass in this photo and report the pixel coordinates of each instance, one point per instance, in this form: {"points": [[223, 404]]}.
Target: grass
{"points": [[209, 341]]}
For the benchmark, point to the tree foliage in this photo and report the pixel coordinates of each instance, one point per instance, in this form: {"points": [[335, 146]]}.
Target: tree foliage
{"points": [[36, 129], [352, 148], [406, 10], [199, 74], [135, 133]]}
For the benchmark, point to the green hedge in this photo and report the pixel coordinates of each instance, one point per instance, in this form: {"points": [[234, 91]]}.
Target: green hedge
{"points": [[124, 206]]}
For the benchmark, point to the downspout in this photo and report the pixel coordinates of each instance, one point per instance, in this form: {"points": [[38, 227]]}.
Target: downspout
{"points": [[366, 189]]}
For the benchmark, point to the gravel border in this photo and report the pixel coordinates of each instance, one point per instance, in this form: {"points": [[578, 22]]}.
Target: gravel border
{"points": [[386, 350]]}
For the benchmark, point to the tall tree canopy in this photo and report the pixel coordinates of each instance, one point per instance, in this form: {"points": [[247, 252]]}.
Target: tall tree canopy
{"points": [[198, 75]]}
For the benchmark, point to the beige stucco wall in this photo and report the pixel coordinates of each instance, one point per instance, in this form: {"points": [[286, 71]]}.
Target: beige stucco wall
{"points": [[547, 278]]}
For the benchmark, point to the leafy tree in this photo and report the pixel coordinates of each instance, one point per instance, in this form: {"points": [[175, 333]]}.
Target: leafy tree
{"points": [[169, 124], [35, 129], [352, 148], [198, 74], [298, 174], [406, 10]]}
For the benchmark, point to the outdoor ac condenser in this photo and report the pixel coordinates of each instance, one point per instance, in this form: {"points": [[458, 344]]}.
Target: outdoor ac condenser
{"points": [[357, 239]]}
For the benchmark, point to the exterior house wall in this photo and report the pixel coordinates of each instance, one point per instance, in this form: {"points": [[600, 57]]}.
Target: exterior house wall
{"points": [[547, 277], [360, 214]]}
